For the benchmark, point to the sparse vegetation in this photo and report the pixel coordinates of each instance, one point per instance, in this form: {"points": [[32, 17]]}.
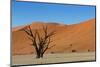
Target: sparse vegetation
{"points": [[74, 51], [88, 50], [52, 52], [71, 45]]}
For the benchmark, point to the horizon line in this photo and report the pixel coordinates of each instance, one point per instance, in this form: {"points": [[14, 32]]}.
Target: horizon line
{"points": [[51, 23]]}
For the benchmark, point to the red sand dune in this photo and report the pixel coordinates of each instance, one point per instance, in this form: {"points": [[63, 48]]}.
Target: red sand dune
{"points": [[79, 37]]}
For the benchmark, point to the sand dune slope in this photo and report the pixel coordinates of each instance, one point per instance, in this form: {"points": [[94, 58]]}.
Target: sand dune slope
{"points": [[79, 37]]}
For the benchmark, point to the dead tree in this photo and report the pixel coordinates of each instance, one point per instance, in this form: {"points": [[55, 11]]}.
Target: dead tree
{"points": [[40, 42]]}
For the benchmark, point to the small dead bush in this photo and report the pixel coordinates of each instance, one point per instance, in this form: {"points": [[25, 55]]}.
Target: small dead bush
{"points": [[74, 51]]}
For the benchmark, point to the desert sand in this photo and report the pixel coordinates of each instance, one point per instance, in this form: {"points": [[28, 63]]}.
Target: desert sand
{"points": [[75, 42], [53, 58], [79, 37]]}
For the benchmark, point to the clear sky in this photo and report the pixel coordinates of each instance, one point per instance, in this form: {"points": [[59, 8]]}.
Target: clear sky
{"points": [[28, 12]]}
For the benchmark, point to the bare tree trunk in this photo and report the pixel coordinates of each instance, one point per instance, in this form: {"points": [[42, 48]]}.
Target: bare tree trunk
{"points": [[38, 55], [41, 55]]}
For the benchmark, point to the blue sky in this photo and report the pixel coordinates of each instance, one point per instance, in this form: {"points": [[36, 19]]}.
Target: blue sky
{"points": [[27, 12]]}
